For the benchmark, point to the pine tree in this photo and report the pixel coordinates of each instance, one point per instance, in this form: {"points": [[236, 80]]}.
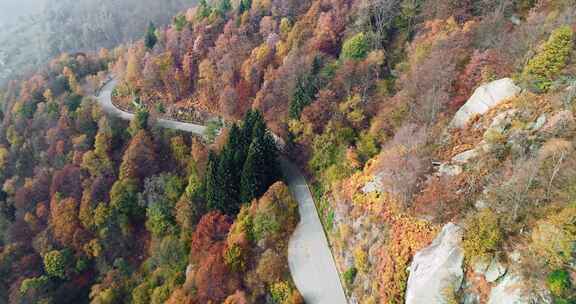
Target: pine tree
{"points": [[270, 155], [247, 130], [150, 39], [306, 89], [258, 126], [204, 10], [211, 182], [234, 144], [245, 5], [140, 122], [229, 192], [251, 181], [224, 6]]}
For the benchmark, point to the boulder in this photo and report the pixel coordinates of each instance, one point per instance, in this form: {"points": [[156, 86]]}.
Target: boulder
{"points": [[437, 268], [449, 170], [494, 271], [508, 291], [471, 298], [491, 268], [374, 185], [502, 121], [484, 98], [465, 156], [539, 123]]}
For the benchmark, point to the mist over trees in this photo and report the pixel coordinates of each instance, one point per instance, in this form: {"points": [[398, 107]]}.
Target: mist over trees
{"points": [[76, 25]]}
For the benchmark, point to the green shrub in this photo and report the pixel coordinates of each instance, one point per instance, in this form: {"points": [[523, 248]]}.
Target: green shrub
{"points": [[356, 47], [553, 237], [280, 292], [234, 258], [367, 146], [265, 224], [544, 67], [55, 264], [559, 282], [33, 284], [483, 235], [212, 130], [349, 276], [179, 22]]}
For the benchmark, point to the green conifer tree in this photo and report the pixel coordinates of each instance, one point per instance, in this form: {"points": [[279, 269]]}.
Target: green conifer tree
{"points": [[212, 186], [150, 39], [229, 192]]}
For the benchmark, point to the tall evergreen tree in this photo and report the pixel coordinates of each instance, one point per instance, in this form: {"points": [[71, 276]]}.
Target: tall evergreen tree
{"points": [[224, 6], [227, 178], [212, 186], [244, 6], [234, 144], [252, 181], [247, 130], [258, 126], [150, 39], [307, 86], [270, 155]]}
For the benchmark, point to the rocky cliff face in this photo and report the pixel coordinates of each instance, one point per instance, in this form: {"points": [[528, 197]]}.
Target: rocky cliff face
{"points": [[512, 145], [484, 98], [436, 271]]}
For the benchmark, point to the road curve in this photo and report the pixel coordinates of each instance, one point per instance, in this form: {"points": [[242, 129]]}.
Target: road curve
{"points": [[105, 100], [309, 257]]}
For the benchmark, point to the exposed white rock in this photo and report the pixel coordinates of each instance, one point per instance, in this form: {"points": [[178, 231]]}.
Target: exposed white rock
{"points": [[480, 265], [471, 298], [501, 121], [484, 98], [539, 122], [449, 170], [494, 271], [190, 275], [480, 204], [491, 268], [437, 268], [465, 156], [508, 291], [372, 186]]}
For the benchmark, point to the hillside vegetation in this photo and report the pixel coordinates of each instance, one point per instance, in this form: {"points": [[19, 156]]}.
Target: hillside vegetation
{"points": [[363, 92]]}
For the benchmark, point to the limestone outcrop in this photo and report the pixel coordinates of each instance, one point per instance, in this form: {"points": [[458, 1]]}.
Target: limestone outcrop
{"points": [[484, 98], [437, 269]]}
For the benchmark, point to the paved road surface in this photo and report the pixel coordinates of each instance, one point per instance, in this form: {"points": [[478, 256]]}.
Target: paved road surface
{"points": [[311, 263], [310, 260], [105, 100]]}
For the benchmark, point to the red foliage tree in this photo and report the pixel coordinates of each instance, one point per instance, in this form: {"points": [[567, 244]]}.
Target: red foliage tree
{"points": [[68, 182], [139, 159], [214, 281], [64, 220], [32, 193], [210, 232], [482, 66]]}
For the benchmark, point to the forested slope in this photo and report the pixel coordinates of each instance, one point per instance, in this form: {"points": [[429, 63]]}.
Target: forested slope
{"points": [[364, 93]]}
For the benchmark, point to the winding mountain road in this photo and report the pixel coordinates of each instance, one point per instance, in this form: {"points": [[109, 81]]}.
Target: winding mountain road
{"points": [[310, 260]]}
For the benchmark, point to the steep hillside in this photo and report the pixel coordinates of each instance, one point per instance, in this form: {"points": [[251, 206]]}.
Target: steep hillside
{"points": [[437, 137], [364, 92]]}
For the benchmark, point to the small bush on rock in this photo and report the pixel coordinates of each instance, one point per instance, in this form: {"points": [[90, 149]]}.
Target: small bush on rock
{"points": [[483, 235], [543, 68]]}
